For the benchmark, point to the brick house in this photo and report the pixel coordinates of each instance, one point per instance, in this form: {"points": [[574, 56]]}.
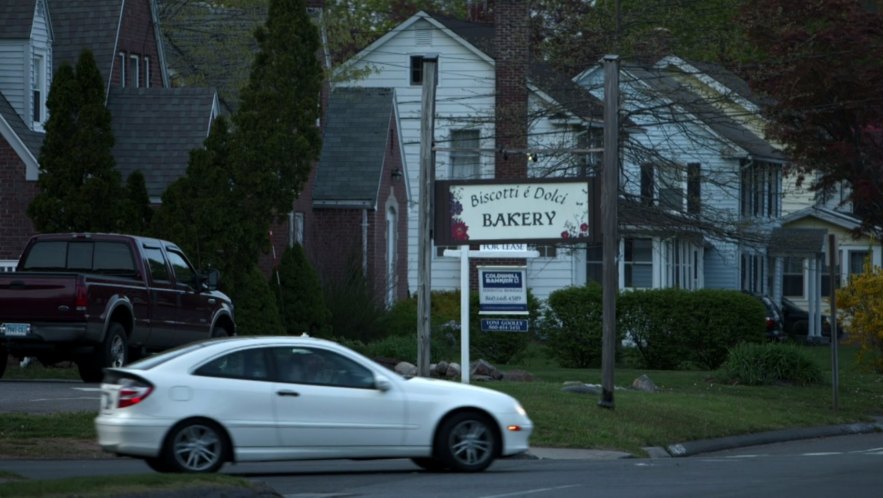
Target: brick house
{"points": [[155, 126]]}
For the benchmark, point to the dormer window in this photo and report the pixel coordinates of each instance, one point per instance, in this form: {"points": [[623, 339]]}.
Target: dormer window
{"points": [[123, 64], [135, 70], [38, 91]]}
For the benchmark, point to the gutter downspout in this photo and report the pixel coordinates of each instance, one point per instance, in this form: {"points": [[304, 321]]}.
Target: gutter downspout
{"points": [[365, 243]]}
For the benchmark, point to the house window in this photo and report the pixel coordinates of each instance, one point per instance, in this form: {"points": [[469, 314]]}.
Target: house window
{"points": [[792, 277], [38, 90], [857, 261], [595, 263], [826, 278], [135, 70], [123, 64], [647, 184], [546, 250], [295, 228], [146, 72], [694, 193], [638, 263], [671, 191], [416, 69], [589, 163], [753, 273], [465, 158], [760, 190]]}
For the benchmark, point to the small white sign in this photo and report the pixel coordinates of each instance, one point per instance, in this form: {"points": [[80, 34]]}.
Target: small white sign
{"points": [[503, 247]]}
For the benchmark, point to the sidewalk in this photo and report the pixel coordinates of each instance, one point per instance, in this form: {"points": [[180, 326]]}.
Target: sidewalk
{"points": [[691, 448]]}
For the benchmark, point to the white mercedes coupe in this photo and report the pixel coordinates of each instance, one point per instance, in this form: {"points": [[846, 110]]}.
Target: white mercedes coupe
{"points": [[249, 399]]}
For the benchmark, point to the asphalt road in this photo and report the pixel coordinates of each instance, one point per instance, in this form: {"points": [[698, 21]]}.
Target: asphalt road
{"points": [[29, 396], [820, 468]]}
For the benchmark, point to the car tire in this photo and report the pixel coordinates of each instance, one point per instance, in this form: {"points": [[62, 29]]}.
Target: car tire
{"points": [[430, 464], [195, 446], [158, 465], [113, 352], [4, 358], [467, 442]]}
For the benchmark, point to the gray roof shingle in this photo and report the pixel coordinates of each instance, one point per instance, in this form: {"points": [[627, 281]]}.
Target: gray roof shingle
{"points": [[155, 130], [353, 147], [17, 19], [81, 24], [33, 140]]}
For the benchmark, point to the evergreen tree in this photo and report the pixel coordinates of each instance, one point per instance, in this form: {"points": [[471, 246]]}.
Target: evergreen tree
{"points": [[138, 211], [199, 210], [299, 294], [256, 310], [79, 186], [276, 138]]}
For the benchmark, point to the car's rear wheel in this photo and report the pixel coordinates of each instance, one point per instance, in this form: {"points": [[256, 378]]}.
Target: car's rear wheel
{"points": [[158, 465], [467, 442], [196, 446], [4, 356], [113, 352], [430, 464]]}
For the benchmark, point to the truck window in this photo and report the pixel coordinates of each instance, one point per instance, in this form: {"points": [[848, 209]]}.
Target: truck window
{"points": [[183, 272], [46, 256], [159, 272], [113, 257]]}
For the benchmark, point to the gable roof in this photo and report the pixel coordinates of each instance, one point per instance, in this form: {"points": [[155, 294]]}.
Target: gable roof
{"points": [[24, 141], [353, 147], [836, 218], [156, 128], [18, 19], [716, 119], [80, 24]]}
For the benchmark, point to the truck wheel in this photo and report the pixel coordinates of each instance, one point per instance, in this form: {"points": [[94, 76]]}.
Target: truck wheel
{"points": [[4, 356], [113, 352]]}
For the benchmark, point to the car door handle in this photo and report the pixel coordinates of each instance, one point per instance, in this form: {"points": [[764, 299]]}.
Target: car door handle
{"points": [[288, 393]]}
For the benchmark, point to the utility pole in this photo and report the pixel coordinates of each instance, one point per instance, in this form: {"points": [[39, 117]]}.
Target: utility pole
{"points": [[610, 241], [427, 176], [835, 355]]}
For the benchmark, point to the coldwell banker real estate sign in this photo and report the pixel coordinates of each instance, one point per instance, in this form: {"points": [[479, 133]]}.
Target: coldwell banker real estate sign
{"points": [[502, 290], [530, 210]]}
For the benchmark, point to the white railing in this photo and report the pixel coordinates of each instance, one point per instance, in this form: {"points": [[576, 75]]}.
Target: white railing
{"points": [[7, 265]]}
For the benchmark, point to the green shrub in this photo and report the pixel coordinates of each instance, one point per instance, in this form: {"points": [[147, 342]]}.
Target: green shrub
{"points": [[299, 294], [673, 328], [403, 348], [356, 310], [770, 363], [572, 326], [255, 305]]}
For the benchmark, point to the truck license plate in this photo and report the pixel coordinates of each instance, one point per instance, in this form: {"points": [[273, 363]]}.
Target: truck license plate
{"points": [[15, 329]]}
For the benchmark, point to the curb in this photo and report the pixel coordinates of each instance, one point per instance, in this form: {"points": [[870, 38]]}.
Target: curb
{"points": [[725, 443]]}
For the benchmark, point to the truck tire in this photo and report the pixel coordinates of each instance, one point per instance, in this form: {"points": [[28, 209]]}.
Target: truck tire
{"points": [[113, 352], [4, 356]]}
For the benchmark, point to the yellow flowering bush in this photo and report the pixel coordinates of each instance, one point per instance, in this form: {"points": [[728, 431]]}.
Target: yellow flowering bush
{"points": [[862, 304]]}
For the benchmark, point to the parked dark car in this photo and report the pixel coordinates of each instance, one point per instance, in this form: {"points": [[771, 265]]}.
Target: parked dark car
{"points": [[796, 320], [774, 323]]}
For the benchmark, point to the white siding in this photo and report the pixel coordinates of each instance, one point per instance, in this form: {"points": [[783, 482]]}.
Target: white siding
{"points": [[14, 74], [464, 99]]}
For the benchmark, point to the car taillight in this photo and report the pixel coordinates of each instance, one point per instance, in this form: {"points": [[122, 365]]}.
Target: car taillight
{"points": [[133, 392], [770, 323], [82, 298]]}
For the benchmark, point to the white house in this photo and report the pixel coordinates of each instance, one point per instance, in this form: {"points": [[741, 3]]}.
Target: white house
{"points": [[467, 141]]}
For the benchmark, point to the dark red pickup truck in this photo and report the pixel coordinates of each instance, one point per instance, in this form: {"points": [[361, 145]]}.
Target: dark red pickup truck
{"points": [[102, 300]]}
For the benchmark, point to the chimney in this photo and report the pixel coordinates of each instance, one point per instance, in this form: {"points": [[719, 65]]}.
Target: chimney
{"points": [[511, 38]]}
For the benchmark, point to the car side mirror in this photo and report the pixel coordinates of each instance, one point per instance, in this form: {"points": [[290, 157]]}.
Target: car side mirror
{"points": [[382, 383], [212, 279]]}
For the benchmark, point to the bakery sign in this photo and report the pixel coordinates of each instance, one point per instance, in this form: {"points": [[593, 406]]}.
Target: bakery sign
{"points": [[550, 211]]}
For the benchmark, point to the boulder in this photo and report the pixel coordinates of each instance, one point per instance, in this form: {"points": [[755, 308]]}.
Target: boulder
{"points": [[643, 383], [406, 369]]}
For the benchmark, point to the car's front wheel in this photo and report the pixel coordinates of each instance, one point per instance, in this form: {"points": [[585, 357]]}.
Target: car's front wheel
{"points": [[196, 446], [467, 442]]}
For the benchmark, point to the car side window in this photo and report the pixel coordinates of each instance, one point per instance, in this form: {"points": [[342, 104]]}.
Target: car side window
{"points": [[156, 262], [304, 365], [248, 364], [183, 271]]}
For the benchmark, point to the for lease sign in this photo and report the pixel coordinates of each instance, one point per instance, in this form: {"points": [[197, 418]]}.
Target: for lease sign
{"points": [[502, 290]]}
